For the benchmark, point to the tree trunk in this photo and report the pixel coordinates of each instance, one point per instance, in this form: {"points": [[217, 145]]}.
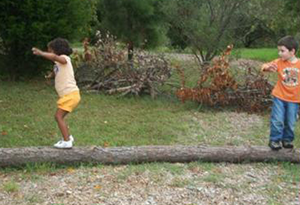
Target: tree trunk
{"points": [[130, 51], [144, 154]]}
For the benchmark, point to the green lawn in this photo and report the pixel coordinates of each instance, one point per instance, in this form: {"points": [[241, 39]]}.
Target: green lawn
{"points": [[261, 54], [27, 117]]}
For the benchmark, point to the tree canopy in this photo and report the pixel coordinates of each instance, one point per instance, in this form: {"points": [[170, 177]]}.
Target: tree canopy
{"points": [[137, 23], [206, 25], [29, 23]]}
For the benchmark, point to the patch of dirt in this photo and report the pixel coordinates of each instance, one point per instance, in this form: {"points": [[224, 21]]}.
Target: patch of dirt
{"points": [[195, 184], [180, 56], [241, 63], [245, 63]]}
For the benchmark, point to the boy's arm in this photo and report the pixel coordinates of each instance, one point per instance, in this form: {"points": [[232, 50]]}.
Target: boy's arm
{"points": [[50, 56], [271, 67]]}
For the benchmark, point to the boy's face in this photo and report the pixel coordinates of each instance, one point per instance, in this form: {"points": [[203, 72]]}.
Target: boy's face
{"points": [[284, 53]]}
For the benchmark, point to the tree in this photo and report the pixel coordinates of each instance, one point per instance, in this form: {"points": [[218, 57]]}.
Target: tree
{"points": [[135, 22], [210, 25], [292, 8], [265, 21], [256, 23], [207, 25], [29, 23]]}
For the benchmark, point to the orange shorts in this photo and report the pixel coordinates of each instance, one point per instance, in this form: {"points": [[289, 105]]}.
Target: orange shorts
{"points": [[69, 102]]}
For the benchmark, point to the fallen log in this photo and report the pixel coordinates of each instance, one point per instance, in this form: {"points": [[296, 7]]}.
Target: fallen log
{"points": [[144, 154]]}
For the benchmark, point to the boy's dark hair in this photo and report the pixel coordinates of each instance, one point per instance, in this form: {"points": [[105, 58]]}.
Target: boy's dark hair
{"points": [[60, 46], [289, 42]]}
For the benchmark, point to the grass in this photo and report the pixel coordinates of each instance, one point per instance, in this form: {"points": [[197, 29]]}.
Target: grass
{"points": [[261, 54], [27, 118], [10, 186]]}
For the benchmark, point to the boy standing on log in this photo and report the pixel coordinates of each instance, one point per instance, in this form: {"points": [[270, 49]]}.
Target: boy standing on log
{"points": [[286, 94], [65, 85]]}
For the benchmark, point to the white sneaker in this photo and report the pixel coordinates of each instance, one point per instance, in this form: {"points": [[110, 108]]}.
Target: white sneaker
{"points": [[64, 144], [71, 138]]}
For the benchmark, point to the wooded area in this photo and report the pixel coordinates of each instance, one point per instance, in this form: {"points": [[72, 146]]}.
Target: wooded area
{"points": [[205, 27], [144, 154]]}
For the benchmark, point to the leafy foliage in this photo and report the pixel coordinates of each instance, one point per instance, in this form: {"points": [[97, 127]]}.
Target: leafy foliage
{"points": [[205, 25], [29, 23], [293, 6], [135, 22], [209, 25], [266, 21]]}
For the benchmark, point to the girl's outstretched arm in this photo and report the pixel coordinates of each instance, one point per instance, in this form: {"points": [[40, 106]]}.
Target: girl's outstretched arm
{"points": [[50, 56]]}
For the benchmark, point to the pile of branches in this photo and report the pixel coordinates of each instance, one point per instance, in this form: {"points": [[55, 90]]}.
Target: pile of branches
{"points": [[217, 87], [107, 68]]}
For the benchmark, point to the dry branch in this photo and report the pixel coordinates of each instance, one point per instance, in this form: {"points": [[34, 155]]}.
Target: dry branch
{"points": [[107, 69]]}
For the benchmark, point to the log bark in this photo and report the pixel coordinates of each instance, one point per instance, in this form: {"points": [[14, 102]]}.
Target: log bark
{"points": [[143, 154]]}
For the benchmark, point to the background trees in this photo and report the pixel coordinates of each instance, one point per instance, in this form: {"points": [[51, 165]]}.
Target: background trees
{"points": [[29, 23], [204, 26], [292, 10], [271, 20], [135, 22]]}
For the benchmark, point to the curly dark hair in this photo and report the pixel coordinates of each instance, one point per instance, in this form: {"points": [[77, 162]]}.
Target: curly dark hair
{"points": [[60, 46]]}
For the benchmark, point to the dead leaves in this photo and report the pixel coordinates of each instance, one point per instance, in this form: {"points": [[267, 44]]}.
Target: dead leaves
{"points": [[217, 86], [97, 187], [105, 144], [4, 133]]}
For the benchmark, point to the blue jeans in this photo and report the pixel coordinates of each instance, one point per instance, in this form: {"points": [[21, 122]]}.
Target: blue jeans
{"points": [[283, 120]]}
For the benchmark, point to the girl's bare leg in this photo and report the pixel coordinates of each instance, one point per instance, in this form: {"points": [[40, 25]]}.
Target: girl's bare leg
{"points": [[59, 117]]}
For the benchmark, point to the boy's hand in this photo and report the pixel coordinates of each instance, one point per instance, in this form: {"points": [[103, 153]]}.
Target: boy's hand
{"points": [[36, 51], [270, 67], [273, 68]]}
